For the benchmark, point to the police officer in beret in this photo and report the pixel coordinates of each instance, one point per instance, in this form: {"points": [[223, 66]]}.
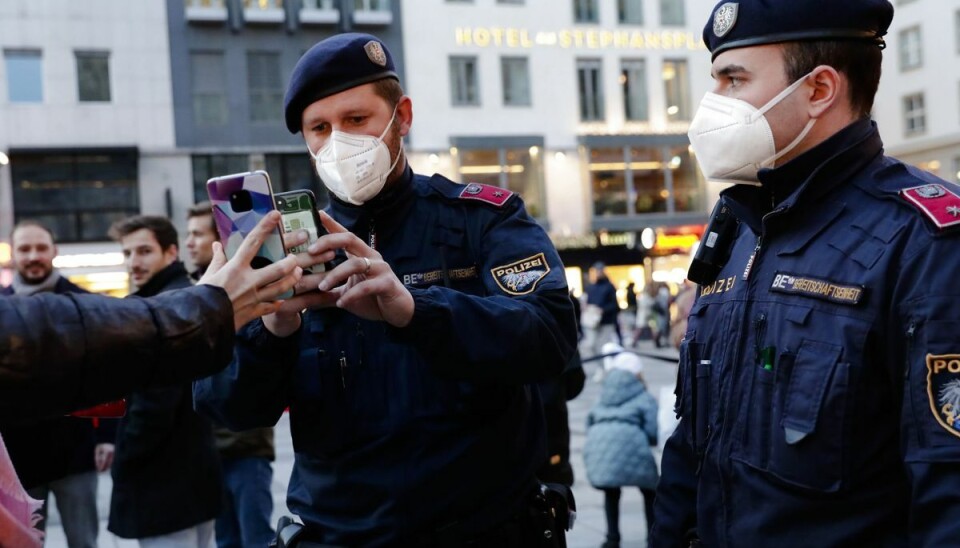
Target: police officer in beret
{"points": [[410, 373], [819, 376]]}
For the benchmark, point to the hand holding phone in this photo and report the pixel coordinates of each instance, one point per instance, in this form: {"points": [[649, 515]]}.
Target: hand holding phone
{"points": [[298, 209]]}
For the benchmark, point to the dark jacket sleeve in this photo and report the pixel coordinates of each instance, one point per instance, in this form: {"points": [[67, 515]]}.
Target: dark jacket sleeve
{"points": [[59, 353], [519, 331], [675, 505]]}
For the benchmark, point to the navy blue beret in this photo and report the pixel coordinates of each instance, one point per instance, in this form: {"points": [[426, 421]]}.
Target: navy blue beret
{"points": [[335, 64], [754, 22]]}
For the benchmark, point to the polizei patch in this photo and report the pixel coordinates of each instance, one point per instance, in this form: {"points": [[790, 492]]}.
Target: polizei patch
{"points": [[817, 288], [943, 390], [521, 277]]}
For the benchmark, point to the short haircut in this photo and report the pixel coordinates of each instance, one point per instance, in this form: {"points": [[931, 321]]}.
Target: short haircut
{"points": [[163, 230], [389, 89], [30, 222], [201, 209], [858, 61]]}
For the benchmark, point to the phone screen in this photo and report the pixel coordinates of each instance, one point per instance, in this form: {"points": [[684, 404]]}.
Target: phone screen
{"points": [[298, 211]]}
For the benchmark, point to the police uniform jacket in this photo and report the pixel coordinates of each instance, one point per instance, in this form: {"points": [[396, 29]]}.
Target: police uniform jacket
{"points": [[819, 377], [400, 432]]}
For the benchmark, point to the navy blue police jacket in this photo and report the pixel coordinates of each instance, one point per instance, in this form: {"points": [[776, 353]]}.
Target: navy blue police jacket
{"points": [[819, 376], [400, 432]]}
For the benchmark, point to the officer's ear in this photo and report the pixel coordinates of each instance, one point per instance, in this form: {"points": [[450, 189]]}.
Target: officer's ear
{"points": [[405, 115], [827, 89]]}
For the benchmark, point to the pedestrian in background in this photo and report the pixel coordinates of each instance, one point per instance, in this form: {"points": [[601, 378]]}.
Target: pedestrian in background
{"points": [[167, 484], [600, 313], [621, 429], [818, 384], [60, 455], [409, 369], [245, 456]]}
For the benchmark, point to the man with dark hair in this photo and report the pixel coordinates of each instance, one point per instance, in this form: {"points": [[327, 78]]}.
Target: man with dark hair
{"points": [[166, 476], [816, 388], [245, 456], [62, 454], [201, 233], [409, 377]]}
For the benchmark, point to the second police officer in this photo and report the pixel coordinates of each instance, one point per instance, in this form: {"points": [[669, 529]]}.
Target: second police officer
{"points": [[819, 383], [409, 378]]}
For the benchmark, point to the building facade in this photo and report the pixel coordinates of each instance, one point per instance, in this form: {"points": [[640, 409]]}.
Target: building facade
{"points": [[918, 103]]}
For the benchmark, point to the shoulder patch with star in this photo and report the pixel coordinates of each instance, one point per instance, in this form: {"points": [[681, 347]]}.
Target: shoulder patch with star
{"points": [[485, 193], [937, 202]]}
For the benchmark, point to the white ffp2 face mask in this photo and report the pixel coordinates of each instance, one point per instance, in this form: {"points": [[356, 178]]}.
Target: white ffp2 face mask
{"points": [[355, 167], [733, 140]]}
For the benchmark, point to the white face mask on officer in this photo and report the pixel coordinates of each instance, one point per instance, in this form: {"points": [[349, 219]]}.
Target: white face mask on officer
{"points": [[733, 140], [355, 167]]}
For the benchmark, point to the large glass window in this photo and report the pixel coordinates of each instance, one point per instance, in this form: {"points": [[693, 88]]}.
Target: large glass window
{"points": [[206, 166], [516, 81], [371, 5], [585, 11], [640, 180], [78, 194], [914, 117], [24, 76], [630, 12], [672, 12], [463, 81], [633, 80], [265, 85], [518, 169], [590, 83], [956, 29], [676, 89], [208, 86], [911, 48], [93, 76]]}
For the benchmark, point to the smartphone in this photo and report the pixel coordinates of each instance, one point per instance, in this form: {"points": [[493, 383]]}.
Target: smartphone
{"points": [[239, 202], [298, 209]]}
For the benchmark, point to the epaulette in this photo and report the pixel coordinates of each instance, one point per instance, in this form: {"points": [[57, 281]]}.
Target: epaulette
{"points": [[487, 194], [937, 202]]}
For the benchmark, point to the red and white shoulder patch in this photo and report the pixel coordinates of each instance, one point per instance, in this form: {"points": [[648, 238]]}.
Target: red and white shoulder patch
{"points": [[937, 202], [485, 193]]}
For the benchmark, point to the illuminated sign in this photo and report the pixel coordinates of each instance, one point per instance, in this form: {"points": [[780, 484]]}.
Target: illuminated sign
{"points": [[511, 37], [5, 254], [675, 241]]}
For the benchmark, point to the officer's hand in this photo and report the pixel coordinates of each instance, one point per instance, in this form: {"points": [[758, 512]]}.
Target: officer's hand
{"points": [[252, 292], [364, 284]]}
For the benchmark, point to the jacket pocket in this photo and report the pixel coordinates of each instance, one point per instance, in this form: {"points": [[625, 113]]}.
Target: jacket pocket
{"points": [[686, 399], [796, 415]]}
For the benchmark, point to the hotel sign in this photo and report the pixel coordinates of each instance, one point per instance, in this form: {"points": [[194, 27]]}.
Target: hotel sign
{"points": [[521, 38]]}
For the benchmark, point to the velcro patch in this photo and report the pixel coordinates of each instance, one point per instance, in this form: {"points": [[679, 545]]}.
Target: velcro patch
{"points": [[943, 390], [434, 276], [937, 202], [521, 277], [817, 288], [486, 193]]}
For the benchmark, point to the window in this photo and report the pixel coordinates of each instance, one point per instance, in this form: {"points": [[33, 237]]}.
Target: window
{"points": [[463, 81], [24, 76], [956, 25], [676, 88], [585, 11], [672, 12], [265, 86], [294, 172], [206, 166], [636, 180], [633, 80], [371, 5], [954, 174], [911, 48], [77, 193], [208, 87], [519, 169], [93, 76], [591, 89], [516, 81], [630, 12], [914, 119]]}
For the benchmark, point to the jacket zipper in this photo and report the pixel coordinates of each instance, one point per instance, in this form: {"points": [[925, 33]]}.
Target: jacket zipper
{"points": [[911, 330]]}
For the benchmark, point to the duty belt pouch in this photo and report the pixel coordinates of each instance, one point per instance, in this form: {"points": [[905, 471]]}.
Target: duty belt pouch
{"points": [[556, 510], [288, 533]]}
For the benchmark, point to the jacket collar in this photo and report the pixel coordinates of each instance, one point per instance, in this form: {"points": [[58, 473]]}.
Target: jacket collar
{"points": [[162, 279], [393, 202], [808, 177]]}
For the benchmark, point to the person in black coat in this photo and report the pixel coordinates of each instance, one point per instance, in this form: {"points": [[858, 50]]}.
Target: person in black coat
{"points": [[166, 476]]}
